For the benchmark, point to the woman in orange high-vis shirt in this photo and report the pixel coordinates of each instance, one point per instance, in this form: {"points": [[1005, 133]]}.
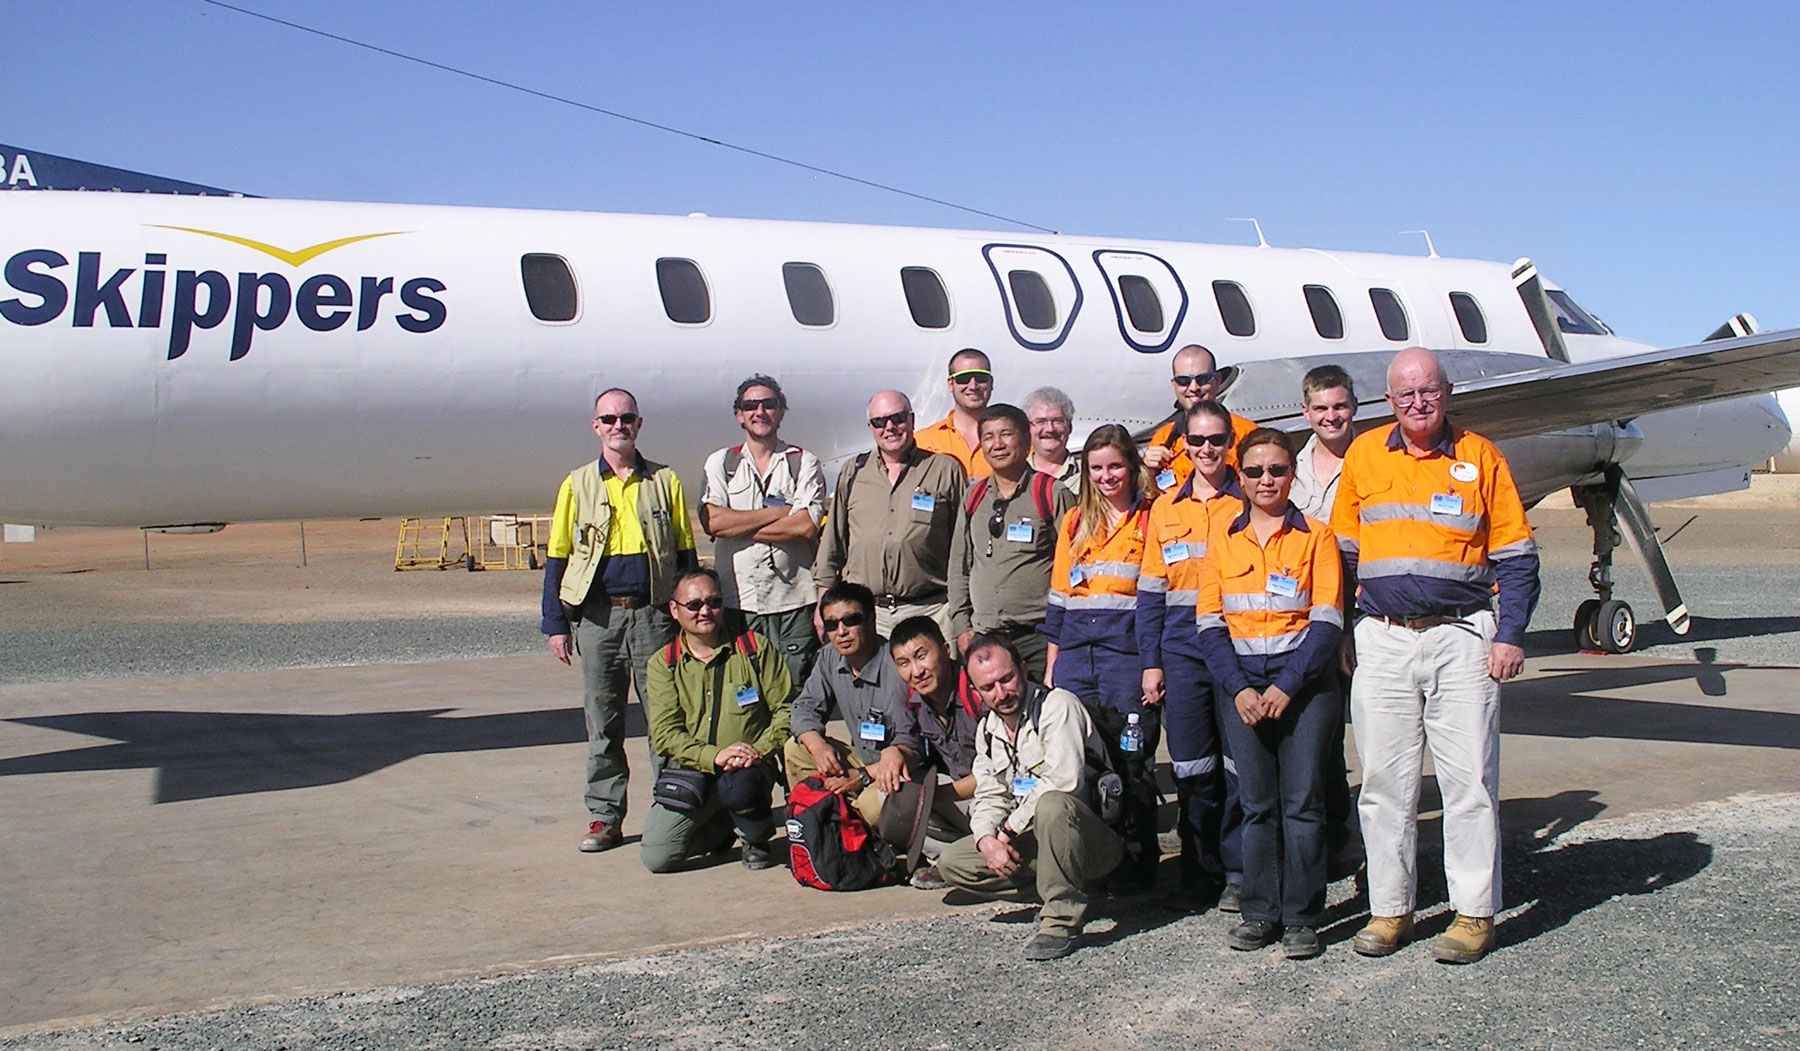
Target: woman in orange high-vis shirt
{"points": [[1090, 622], [1270, 618]]}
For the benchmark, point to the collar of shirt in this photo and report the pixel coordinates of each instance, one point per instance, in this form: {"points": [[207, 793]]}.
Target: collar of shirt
{"points": [[1293, 519], [1230, 488], [873, 669], [1445, 444], [726, 645], [637, 462]]}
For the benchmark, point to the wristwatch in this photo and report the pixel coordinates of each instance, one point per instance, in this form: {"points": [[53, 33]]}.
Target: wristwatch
{"points": [[863, 771]]}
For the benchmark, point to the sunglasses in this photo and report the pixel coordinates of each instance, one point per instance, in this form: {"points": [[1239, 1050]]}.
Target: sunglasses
{"points": [[753, 404], [848, 620], [972, 376], [1217, 441], [1200, 378], [626, 418], [1276, 470], [696, 605], [892, 419]]}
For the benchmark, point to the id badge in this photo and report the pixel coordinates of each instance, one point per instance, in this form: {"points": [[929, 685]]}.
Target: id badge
{"points": [[876, 732], [1176, 551], [1165, 480], [924, 502], [774, 500], [1286, 587], [1021, 532], [747, 697], [1022, 786], [1446, 504], [1076, 576]]}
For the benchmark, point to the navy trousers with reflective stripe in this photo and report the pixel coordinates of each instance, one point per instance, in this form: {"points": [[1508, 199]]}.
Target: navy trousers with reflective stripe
{"points": [[1209, 820]]}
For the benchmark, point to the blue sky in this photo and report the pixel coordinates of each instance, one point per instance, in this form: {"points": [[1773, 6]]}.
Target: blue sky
{"points": [[1642, 154]]}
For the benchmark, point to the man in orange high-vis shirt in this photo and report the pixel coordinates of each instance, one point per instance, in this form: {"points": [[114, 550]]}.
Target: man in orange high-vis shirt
{"points": [[958, 434], [1431, 527], [1195, 379]]}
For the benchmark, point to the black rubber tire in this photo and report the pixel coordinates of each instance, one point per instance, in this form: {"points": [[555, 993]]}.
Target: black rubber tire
{"points": [[469, 562], [1584, 625], [1615, 626]]}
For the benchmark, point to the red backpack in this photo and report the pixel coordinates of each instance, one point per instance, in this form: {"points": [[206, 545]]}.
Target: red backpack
{"points": [[830, 846]]}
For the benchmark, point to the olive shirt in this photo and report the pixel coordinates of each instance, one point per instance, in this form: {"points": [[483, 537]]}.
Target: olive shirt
{"points": [[873, 696], [1003, 581], [698, 707], [893, 539]]}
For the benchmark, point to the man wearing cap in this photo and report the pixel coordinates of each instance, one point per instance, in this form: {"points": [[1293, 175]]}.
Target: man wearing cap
{"points": [[1035, 835], [1431, 527], [762, 505], [937, 732], [890, 520], [1196, 378], [1004, 543], [618, 538], [855, 679], [1052, 418], [971, 385]]}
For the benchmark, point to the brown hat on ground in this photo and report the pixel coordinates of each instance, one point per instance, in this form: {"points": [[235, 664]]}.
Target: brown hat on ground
{"points": [[906, 814]]}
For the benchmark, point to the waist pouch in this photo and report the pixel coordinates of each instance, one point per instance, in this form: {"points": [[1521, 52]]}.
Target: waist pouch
{"points": [[681, 789]]}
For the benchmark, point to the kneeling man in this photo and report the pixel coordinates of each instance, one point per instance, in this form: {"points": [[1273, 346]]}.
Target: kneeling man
{"points": [[1035, 833], [718, 713]]}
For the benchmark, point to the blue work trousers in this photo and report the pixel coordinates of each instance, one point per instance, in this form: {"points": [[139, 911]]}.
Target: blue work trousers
{"points": [[1282, 765], [1206, 784]]}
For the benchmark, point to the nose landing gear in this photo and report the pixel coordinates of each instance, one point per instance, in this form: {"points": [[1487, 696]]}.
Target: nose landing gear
{"points": [[1605, 623]]}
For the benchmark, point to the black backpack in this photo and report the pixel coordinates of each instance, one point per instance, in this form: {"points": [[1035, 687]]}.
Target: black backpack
{"points": [[830, 846]]}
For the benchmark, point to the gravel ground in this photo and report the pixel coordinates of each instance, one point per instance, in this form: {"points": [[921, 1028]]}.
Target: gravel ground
{"points": [[1680, 929]]}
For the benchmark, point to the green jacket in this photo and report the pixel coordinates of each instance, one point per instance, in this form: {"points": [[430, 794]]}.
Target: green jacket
{"points": [[690, 722]]}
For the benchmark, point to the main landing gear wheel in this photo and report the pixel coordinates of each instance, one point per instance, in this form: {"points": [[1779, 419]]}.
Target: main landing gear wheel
{"points": [[1584, 625], [1615, 626]]}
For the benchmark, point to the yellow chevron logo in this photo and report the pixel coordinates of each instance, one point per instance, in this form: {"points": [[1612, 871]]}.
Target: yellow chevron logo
{"points": [[296, 257]]}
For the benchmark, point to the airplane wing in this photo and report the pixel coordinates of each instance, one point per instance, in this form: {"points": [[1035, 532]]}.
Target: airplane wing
{"points": [[1518, 403]]}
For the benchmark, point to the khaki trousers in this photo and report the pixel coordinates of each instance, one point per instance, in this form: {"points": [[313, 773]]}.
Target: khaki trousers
{"points": [[885, 618], [1068, 848], [801, 765], [1419, 689]]}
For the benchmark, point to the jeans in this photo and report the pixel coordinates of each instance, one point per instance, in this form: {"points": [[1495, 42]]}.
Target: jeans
{"points": [[1206, 782], [1281, 766]]}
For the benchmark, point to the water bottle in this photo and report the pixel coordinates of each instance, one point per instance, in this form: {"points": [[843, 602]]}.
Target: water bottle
{"points": [[1132, 740]]}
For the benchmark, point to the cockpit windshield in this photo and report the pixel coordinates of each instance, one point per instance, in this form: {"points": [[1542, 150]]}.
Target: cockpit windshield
{"points": [[1571, 318]]}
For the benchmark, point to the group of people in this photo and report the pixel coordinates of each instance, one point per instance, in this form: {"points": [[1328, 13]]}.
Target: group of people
{"points": [[1013, 625]]}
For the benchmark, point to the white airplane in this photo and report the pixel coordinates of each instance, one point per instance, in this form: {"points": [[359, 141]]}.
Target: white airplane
{"points": [[189, 361]]}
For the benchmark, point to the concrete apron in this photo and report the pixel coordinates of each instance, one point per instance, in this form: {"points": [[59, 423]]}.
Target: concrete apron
{"points": [[174, 843]]}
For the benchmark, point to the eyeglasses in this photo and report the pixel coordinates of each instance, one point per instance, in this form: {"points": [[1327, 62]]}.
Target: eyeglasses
{"points": [[892, 419], [1049, 421], [626, 418], [709, 602], [848, 620], [753, 404], [1197, 379], [967, 376], [1276, 470], [1418, 395], [1217, 441]]}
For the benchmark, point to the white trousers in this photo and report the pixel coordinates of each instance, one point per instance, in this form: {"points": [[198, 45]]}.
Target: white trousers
{"points": [[1417, 689]]}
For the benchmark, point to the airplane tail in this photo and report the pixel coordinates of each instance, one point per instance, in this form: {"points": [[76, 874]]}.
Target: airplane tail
{"points": [[22, 169]]}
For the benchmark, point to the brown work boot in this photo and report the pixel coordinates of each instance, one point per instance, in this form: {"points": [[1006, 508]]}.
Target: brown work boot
{"points": [[1383, 935], [1468, 939], [600, 836]]}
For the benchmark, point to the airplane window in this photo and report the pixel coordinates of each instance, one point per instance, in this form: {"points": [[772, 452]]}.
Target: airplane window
{"points": [[925, 297], [549, 286], [1234, 308], [1142, 304], [1571, 318], [1390, 313], [684, 295], [1469, 317], [1328, 320], [1032, 299], [809, 294]]}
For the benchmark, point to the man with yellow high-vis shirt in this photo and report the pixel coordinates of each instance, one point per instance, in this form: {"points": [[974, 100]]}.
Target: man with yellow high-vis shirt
{"points": [[1442, 563], [618, 538]]}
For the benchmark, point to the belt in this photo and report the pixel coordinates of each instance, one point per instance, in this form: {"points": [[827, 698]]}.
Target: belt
{"points": [[1432, 620], [627, 601], [892, 601]]}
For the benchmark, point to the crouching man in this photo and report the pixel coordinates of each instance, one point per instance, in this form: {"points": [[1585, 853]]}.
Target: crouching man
{"points": [[1035, 835], [937, 733], [718, 713]]}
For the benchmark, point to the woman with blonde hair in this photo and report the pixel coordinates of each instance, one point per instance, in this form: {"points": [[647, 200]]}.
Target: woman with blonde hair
{"points": [[1090, 623]]}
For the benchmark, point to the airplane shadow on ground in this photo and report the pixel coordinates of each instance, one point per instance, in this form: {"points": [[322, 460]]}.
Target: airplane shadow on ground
{"points": [[1551, 642], [204, 755], [1577, 702], [1544, 883]]}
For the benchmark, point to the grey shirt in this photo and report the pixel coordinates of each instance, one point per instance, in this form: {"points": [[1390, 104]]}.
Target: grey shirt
{"points": [[875, 696], [1002, 582], [946, 743]]}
